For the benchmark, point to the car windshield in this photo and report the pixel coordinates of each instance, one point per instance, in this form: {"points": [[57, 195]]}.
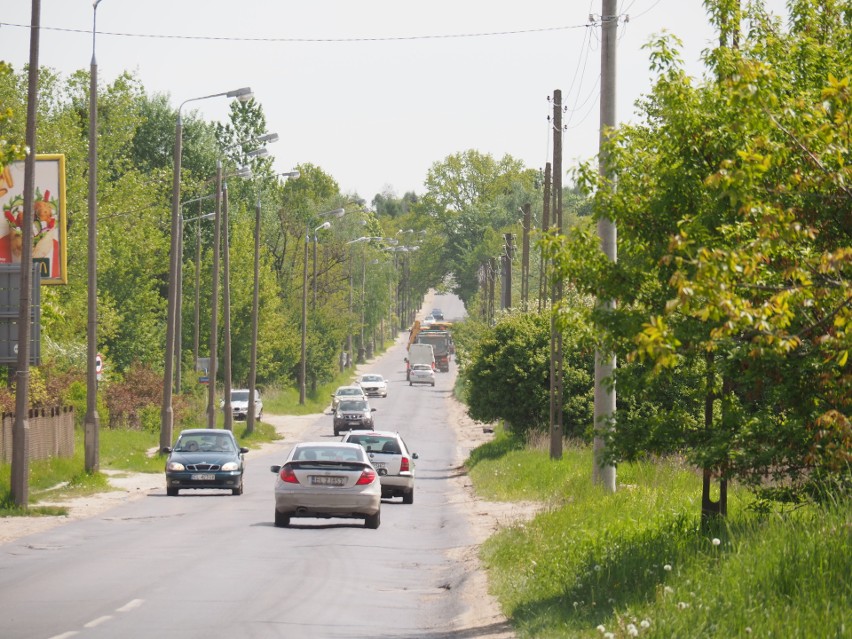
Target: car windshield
{"points": [[376, 444], [371, 378], [239, 396], [205, 443], [353, 405], [349, 391]]}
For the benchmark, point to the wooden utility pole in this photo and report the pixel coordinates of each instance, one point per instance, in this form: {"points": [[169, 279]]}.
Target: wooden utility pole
{"points": [[545, 224], [604, 473], [508, 253], [525, 258]]}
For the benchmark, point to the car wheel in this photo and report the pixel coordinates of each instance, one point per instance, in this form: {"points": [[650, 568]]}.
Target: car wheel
{"points": [[411, 383], [336, 431], [373, 521], [172, 492], [433, 383], [408, 498], [239, 489], [281, 520]]}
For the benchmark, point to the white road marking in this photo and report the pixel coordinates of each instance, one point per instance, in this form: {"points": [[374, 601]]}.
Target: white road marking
{"points": [[130, 605], [97, 622]]}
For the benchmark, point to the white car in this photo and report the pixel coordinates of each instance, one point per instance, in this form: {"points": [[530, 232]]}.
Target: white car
{"points": [[421, 374], [391, 458], [346, 392], [327, 479], [240, 402], [374, 385]]}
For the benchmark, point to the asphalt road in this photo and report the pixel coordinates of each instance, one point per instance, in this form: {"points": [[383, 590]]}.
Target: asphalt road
{"points": [[208, 564]]}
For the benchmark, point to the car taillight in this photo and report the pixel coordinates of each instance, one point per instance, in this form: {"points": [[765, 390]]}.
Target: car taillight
{"points": [[287, 475], [368, 476], [403, 465]]}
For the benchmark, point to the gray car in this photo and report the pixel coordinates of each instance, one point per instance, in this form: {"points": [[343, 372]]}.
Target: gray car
{"points": [[327, 479]]}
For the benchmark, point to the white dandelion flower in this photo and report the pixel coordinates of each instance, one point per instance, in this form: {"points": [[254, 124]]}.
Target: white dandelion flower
{"points": [[601, 628], [645, 623], [716, 541], [667, 568], [632, 630]]}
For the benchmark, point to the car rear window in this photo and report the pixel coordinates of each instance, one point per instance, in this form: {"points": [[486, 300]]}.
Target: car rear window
{"points": [[376, 444], [319, 454]]}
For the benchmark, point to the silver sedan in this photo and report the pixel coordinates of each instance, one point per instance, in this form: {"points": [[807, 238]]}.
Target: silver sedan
{"points": [[327, 479]]}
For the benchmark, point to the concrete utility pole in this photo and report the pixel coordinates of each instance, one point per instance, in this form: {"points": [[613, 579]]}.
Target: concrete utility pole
{"points": [[604, 473], [556, 379], [21, 428]]}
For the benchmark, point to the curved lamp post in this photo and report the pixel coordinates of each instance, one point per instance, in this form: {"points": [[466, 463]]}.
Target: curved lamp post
{"points": [[92, 421], [255, 309], [167, 412], [303, 364]]}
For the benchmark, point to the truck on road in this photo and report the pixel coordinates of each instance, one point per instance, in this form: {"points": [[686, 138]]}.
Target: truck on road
{"points": [[419, 354]]}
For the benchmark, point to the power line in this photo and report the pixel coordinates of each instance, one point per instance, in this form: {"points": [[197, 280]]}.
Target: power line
{"points": [[447, 36]]}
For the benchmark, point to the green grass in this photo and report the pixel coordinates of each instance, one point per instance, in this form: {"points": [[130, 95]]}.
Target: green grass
{"points": [[591, 559], [124, 450]]}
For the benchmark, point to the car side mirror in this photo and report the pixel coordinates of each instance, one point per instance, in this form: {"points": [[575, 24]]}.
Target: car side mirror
{"points": [[415, 456], [372, 410], [275, 468], [166, 449], [243, 449]]}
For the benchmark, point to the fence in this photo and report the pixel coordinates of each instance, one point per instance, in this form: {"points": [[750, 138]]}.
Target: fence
{"points": [[51, 433]]}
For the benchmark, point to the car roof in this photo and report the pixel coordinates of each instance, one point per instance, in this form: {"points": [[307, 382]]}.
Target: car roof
{"points": [[380, 433], [349, 387]]}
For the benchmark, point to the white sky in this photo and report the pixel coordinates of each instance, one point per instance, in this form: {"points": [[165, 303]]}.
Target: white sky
{"points": [[366, 90]]}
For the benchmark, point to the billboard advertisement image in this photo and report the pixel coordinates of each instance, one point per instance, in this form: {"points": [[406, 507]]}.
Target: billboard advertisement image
{"points": [[48, 218]]}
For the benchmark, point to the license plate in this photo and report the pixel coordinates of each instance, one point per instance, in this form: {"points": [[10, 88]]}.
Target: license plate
{"points": [[378, 465], [354, 423], [202, 477], [322, 480]]}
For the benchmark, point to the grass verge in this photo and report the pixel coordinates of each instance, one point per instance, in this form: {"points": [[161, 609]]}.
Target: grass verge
{"points": [[638, 563]]}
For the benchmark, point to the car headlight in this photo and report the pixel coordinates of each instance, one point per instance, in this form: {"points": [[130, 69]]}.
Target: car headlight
{"points": [[173, 466], [230, 466]]}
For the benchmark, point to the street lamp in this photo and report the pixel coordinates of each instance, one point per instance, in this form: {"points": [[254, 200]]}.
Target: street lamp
{"points": [[179, 310], [167, 412], [303, 364], [92, 421], [334, 213], [255, 309], [358, 240]]}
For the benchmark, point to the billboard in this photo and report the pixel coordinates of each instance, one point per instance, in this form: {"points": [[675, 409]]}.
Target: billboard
{"points": [[48, 218]]}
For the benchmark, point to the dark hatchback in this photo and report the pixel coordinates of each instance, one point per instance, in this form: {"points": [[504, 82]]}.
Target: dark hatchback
{"points": [[205, 458]]}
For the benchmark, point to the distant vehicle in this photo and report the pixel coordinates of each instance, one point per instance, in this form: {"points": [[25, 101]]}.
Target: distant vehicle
{"points": [[421, 374], [391, 458], [346, 392], [327, 479], [373, 385], [240, 402], [441, 344], [437, 315], [428, 319], [353, 413], [205, 458], [419, 354]]}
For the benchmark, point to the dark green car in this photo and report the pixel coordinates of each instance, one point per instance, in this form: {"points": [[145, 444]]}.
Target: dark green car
{"points": [[205, 458]]}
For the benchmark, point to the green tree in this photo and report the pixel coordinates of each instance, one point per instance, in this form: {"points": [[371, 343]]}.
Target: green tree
{"points": [[734, 261]]}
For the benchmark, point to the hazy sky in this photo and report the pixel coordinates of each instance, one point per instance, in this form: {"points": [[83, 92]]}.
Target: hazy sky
{"points": [[376, 91]]}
